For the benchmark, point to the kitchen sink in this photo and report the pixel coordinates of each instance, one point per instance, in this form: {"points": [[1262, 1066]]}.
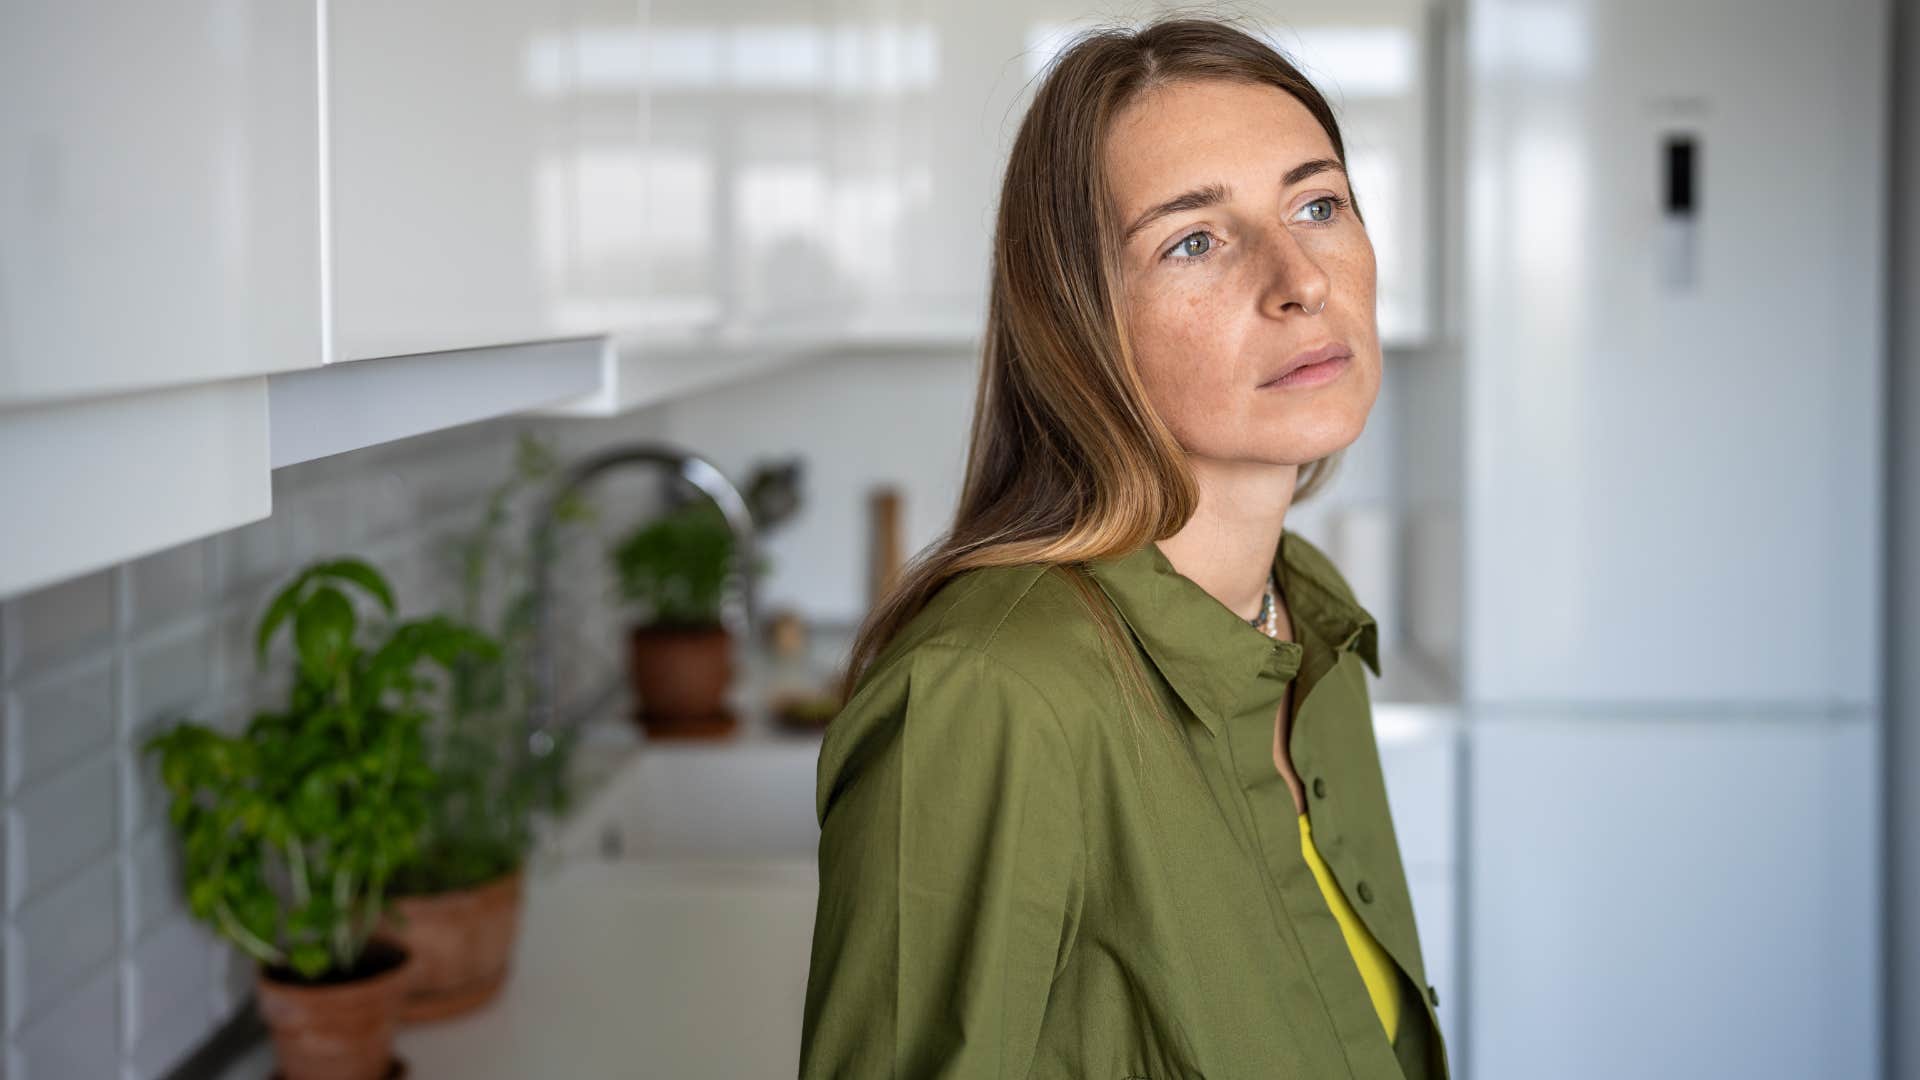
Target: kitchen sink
{"points": [[744, 798]]}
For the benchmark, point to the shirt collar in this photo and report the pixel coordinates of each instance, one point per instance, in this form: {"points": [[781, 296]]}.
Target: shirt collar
{"points": [[1209, 654]]}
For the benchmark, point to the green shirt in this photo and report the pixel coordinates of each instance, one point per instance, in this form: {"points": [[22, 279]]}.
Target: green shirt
{"points": [[1014, 884]]}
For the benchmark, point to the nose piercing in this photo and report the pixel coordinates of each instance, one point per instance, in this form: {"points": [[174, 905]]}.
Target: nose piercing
{"points": [[1318, 310]]}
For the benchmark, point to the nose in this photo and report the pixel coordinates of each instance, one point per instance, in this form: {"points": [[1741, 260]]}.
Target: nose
{"points": [[1293, 279]]}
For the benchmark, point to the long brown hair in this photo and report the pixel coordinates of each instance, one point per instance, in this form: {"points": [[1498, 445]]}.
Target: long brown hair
{"points": [[1067, 460]]}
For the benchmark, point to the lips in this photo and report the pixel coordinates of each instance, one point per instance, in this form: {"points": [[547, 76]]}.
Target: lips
{"points": [[1312, 356]]}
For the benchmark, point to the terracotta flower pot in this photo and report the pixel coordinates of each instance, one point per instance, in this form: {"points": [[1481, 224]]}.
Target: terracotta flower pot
{"points": [[680, 676], [461, 942], [336, 1030]]}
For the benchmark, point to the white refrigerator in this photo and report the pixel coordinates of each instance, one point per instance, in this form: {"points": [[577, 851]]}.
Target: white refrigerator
{"points": [[1673, 332]]}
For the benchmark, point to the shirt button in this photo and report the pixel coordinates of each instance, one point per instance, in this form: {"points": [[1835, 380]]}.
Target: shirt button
{"points": [[1433, 995], [1366, 893], [1319, 787]]}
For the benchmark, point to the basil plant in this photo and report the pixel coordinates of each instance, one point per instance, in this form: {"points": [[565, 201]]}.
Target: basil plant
{"points": [[291, 830]]}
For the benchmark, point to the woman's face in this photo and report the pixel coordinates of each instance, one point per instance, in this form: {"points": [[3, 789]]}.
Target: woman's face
{"points": [[1234, 244]]}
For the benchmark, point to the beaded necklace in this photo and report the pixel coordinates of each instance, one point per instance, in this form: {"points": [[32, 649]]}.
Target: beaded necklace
{"points": [[1268, 621]]}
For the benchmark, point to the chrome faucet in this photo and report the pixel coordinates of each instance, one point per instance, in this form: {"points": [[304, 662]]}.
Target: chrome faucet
{"points": [[737, 609]]}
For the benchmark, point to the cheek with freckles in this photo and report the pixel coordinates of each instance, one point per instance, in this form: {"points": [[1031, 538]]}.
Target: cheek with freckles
{"points": [[1185, 350], [1189, 341]]}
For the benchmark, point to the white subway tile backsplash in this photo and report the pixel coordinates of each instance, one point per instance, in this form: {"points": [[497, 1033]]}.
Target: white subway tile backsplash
{"points": [[60, 940], [382, 502], [459, 479], [64, 620], [170, 1037], [170, 964], [241, 673], [153, 885], [171, 678], [58, 824], [53, 721], [169, 583], [78, 1036], [425, 573], [233, 977], [252, 553], [171, 674], [322, 522], [143, 798]]}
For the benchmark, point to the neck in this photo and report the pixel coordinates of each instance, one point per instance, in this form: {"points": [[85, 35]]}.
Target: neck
{"points": [[1227, 546]]}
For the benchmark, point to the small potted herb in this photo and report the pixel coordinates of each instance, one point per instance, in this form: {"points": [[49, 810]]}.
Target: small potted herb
{"points": [[291, 830], [673, 569], [457, 905]]}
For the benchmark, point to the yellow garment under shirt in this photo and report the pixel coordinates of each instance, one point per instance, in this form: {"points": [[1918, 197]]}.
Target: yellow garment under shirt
{"points": [[1376, 967]]}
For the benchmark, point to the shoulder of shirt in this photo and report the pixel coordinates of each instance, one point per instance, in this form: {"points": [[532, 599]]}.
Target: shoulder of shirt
{"points": [[1029, 621], [1028, 627]]}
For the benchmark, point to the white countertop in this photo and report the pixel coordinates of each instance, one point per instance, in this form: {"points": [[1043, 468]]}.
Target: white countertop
{"points": [[683, 969]]}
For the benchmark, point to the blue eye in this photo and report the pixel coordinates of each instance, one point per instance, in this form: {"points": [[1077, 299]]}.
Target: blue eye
{"points": [[1336, 203], [1195, 246], [1192, 247]]}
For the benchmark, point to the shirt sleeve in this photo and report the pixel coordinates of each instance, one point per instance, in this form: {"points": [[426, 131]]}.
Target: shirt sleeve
{"points": [[951, 876]]}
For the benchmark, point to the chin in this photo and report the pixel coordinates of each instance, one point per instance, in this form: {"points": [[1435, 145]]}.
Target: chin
{"points": [[1311, 438], [1300, 453]]}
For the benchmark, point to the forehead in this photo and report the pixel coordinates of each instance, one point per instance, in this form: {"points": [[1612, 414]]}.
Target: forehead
{"points": [[1183, 133]]}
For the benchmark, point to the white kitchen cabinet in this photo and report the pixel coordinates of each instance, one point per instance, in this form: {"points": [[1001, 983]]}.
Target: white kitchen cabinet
{"points": [[90, 482], [1673, 388], [609, 56], [777, 194], [451, 156], [159, 195], [483, 210], [219, 192], [1673, 895], [706, 206], [921, 144], [208, 211], [160, 255]]}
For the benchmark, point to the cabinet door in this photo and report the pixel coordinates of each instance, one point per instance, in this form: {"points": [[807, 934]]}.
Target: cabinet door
{"points": [[779, 217], [159, 194], [451, 137], [610, 54], [709, 230], [1673, 896], [920, 146], [1673, 405], [680, 264], [736, 162]]}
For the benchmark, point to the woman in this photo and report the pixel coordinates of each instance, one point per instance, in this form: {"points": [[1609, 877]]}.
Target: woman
{"points": [[1104, 800]]}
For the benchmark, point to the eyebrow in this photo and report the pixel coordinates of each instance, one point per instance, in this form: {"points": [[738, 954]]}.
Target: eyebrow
{"points": [[1215, 193]]}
